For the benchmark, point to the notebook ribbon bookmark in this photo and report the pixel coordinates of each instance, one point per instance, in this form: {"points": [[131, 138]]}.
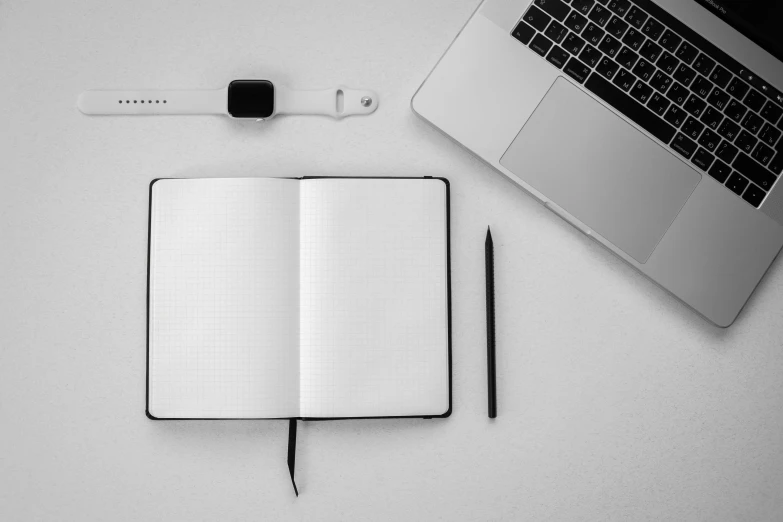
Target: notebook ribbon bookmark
{"points": [[292, 451]]}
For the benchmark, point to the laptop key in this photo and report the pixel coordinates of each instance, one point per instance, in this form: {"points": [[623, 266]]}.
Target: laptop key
{"points": [[675, 115], [695, 105], [537, 18], [726, 151], [737, 184], [752, 122], [764, 87], [644, 69], [668, 63], [573, 44], [577, 70], [636, 17], [711, 117], [626, 57], [704, 64], [575, 22], [762, 153], [653, 29], [660, 82], [771, 112], [776, 165], [590, 55], [599, 15], [609, 45], [728, 129], [687, 52], [632, 109], [557, 57], [677, 93], [624, 79], [642, 92], [769, 134], [650, 50], [709, 140], [607, 68], [718, 99], [616, 27], [720, 171], [523, 32], [753, 171], [720, 77], [619, 7], [670, 41], [738, 88], [541, 44], [658, 104], [555, 8], [633, 39], [692, 128], [593, 34], [556, 32], [703, 159], [684, 74], [702, 86], [735, 110], [683, 145], [755, 100], [583, 6], [753, 195], [745, 141]]}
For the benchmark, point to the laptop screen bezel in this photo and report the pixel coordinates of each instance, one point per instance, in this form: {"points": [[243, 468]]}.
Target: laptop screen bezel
{"points": [[743, 26]]}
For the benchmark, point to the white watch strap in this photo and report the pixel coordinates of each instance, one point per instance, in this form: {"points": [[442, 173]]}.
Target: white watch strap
{"points": [[154, 102], [337, 102]]}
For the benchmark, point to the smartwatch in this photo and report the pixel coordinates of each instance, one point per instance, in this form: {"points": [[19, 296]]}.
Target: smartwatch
{"points": [[257, 99]]}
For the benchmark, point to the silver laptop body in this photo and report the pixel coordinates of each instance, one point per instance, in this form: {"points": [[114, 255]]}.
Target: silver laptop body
{"points": [[613, 158]]}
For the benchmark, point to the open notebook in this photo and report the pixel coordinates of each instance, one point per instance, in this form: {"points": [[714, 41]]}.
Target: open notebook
{"points": [[298, 298]]}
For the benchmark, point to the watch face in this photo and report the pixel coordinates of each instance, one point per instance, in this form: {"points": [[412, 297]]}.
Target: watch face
{"points": [[251, 99]]}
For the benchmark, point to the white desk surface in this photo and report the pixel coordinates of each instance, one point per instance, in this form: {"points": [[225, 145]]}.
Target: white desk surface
{"points": [[616, 402]]}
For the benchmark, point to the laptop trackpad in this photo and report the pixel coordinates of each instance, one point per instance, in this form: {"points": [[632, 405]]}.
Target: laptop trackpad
{"points": [[601, 170]]}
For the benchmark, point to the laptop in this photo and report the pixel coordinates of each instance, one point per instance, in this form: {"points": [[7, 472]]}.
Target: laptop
{"points": [[653, 127]]}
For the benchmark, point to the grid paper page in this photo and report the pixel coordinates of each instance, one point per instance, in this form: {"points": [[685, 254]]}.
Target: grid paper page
{"points": [[224, 280], [373, 295]]}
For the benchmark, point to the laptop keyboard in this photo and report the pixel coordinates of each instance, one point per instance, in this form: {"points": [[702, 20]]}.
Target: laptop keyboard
{"points": [[650, 67]]}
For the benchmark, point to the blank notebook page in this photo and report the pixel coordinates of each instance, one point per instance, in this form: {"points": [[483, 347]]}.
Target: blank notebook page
{"points": [[224, 277], [373, 298]]}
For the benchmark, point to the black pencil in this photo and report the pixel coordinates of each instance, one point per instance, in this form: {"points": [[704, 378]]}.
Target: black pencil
{"points": [[489, 259]]}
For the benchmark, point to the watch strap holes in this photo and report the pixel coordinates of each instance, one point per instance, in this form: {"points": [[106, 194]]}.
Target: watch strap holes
{"points": [[148, 101]]}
